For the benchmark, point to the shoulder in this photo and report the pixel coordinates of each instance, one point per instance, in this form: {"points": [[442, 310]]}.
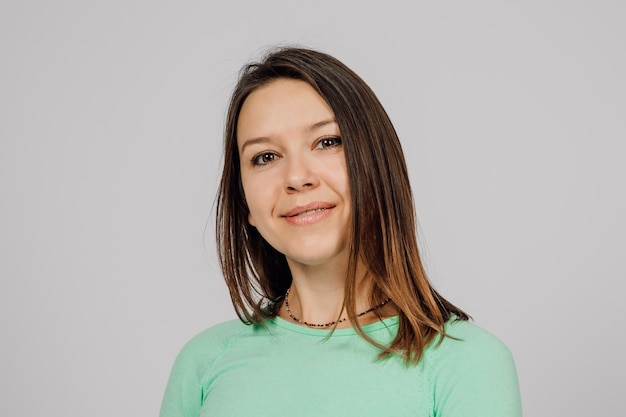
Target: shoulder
{"points": [[467, 346], [472, 372], [209, 343], [199, 354], [464, 338], [218, 333], [184, 391]]}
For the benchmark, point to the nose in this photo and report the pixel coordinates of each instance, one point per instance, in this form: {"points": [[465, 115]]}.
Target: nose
{"points": [[300, 176]]}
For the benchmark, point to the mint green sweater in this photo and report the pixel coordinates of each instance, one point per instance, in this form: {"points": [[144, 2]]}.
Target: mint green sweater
{"points": [[284, 369]]}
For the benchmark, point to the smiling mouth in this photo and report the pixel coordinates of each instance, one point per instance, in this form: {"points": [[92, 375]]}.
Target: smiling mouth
{"points": [[311, 211], [306, 213], [305, 216]]}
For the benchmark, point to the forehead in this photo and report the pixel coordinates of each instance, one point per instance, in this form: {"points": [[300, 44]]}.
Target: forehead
{"points": [[280, 106]]}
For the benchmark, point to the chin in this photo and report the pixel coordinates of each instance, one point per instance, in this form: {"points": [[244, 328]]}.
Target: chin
{"points": [[321, 256]]}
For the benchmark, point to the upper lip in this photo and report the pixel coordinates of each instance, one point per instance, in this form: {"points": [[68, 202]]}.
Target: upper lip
{"points": [[310, 206]]}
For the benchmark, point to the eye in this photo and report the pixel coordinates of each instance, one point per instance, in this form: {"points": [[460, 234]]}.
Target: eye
{"points": [[264, 158], [328, 142]]}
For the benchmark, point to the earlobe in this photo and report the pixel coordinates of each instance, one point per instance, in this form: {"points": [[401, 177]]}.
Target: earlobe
{"points": [[251, 220]]}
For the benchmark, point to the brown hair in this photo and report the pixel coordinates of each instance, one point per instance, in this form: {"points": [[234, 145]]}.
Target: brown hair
{"points": [[383, 215]]}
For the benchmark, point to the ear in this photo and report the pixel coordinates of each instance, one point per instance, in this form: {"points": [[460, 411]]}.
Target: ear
{"points": [[251, 220]]}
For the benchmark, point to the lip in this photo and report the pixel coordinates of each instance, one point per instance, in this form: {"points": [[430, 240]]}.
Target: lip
{"points": [[309, 213]]}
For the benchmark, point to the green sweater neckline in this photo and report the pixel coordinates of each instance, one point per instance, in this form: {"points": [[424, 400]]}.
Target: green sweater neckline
{"points": [[349, 331]]}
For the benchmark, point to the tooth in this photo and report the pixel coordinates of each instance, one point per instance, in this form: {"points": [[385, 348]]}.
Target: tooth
{"points": [[306, 213]]}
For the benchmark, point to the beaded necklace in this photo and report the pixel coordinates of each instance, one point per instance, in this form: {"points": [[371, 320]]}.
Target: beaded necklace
{"points": [[376, 307]]}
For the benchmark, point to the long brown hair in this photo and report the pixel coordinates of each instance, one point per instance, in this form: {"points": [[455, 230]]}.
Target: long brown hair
{"points": [[383, 215]]}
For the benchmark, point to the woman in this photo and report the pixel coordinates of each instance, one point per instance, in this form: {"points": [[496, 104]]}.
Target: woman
{"points": [[317, 243]]}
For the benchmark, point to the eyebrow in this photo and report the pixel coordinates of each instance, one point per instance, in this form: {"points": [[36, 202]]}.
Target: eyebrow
{"points": [[321, 124], [265, 139]]}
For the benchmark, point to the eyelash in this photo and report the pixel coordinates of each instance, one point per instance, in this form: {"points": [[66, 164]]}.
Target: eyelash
{"points": [[256, 158], [321, 144], [336, 139]]}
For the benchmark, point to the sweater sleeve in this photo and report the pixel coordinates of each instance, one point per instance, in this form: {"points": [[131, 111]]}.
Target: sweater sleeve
{"points": [[183, 393], [474, 375], [187, 383]]}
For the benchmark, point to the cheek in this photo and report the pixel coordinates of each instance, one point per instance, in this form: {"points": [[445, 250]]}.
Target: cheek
{"points": [[251, 202], [258, 197], [341, 180], [249, 197]]}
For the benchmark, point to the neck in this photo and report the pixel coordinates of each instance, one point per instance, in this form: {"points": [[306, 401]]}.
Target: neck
{"points": [[317, 293]]}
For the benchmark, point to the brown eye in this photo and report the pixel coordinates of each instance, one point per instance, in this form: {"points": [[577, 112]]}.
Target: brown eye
{"points": [[328, 142], [264, 158]]}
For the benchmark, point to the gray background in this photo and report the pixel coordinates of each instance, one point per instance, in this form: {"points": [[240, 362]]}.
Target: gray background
{"points": [[512, 115]]}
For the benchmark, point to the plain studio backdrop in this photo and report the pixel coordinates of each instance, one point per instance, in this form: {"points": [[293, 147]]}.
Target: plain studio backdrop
{"points": [[512, 116]]}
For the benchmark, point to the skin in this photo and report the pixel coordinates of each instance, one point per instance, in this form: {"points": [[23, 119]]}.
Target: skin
{"points": [[295, 180]]}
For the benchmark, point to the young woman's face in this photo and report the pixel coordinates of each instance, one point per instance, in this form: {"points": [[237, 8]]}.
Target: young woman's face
{"points": [[294, 172]]}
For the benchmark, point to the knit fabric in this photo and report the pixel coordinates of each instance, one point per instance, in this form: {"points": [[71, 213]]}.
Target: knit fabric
{"points": [[284, 369]]}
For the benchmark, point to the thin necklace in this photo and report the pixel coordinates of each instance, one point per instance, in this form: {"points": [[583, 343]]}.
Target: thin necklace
{"points": [[376, 307]]}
